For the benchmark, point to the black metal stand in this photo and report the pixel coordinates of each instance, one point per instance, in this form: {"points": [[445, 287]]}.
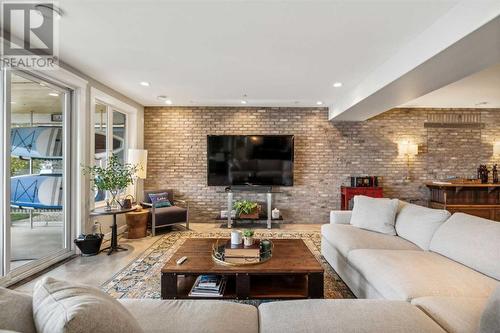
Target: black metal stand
{"points": [[114, 247], [114, 239]]}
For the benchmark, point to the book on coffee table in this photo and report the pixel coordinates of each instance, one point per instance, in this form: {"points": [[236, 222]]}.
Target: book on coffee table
{"points": [[208, 286], [241, 251]]}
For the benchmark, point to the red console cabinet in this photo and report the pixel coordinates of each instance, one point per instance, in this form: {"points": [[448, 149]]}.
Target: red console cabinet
{"points": [[347, 193]]}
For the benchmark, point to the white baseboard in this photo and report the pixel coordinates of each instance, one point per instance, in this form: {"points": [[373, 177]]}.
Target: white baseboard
{"points": [[120, 230]]}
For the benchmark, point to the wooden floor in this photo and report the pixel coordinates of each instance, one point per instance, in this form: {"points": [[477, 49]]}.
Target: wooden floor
{"points": [[98, 269]]}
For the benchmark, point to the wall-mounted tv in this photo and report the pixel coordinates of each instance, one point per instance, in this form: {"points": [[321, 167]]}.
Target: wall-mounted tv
{"points": [[250, 160]]}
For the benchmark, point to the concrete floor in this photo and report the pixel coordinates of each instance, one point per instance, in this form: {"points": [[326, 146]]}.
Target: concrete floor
{"points": [[28, 244], [98, 269]]}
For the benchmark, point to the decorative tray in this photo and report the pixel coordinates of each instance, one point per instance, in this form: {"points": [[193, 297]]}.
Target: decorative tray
{"points": [[265, 249]]}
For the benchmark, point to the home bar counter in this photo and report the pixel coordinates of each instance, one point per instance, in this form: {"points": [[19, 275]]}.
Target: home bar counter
{"points": [[477, 199]]}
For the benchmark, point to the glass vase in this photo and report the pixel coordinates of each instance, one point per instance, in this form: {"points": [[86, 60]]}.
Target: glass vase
{"points": [[112, 202]]}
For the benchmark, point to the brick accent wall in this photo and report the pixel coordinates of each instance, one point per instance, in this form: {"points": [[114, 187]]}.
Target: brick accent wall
{"points": [[326, 153]]}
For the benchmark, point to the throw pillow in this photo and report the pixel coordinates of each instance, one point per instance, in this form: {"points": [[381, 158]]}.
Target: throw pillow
{"points": [[375, 214], [490, 319], [16, 312], [63, 307], [160, 199], [418, 224]]}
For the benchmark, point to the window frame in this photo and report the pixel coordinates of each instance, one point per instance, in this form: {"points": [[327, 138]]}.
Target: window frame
{"points": [[112, 104], [9, 275]]}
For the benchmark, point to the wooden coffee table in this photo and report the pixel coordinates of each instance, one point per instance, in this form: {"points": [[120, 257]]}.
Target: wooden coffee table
{"points": [[292, 272]]}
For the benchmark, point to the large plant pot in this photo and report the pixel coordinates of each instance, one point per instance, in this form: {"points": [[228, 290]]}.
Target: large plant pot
{"points": [[254, 215], [90, 245]]}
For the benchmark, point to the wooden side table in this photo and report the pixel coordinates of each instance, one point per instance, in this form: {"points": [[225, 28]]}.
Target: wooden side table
{"points": [[347, 193], [137, 223]]}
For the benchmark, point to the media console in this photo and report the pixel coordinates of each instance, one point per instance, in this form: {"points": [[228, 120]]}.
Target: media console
{"points": [[255, 189]]}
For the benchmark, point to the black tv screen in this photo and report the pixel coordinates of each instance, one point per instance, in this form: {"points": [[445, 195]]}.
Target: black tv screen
{"points": [[250, 160]]}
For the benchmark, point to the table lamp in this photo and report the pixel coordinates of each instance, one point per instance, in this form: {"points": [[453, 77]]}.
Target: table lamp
{"points": [[138, 157]]}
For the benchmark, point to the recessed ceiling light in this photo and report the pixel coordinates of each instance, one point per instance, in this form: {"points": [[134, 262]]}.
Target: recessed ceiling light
{"points": [[54, 94], [319, 103], [165, 99], [144, 84], [337, 84], [244, 99]]}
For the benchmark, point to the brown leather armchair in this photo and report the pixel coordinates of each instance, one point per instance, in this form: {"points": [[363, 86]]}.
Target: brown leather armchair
{"points": [[166, 216]]}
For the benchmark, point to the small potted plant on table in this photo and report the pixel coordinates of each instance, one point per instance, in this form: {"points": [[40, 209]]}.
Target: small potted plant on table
{"points": [[247, 209], [248, 237], [113, 177]]}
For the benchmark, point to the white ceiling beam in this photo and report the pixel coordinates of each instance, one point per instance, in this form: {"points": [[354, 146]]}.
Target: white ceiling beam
{"points": [[464, 41]]}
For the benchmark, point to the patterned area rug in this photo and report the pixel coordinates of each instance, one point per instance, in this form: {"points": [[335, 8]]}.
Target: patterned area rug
{"points": [[141, 279]]}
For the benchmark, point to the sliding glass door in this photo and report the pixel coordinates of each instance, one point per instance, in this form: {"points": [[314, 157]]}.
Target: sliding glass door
{"points": [[36, 167]]}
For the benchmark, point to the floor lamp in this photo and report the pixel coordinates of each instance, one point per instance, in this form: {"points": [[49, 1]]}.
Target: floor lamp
{"points": [[138, 157]]}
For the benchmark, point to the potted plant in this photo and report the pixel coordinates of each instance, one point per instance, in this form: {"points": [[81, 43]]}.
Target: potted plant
{"points": [[247, 209], [248, 237], [114, 177]]}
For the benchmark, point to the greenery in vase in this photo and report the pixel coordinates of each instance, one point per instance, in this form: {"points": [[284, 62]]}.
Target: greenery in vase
{"points": [[113, 177], [247, 233], [245, 207]]}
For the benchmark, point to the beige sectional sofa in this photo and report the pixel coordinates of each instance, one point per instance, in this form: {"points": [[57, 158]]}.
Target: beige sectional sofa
{"points": [[435, 275], [58, 307], [449, 277]]}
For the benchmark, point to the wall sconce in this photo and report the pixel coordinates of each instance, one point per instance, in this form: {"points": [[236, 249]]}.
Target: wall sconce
{"points": [[496, 148], [407, 149]]}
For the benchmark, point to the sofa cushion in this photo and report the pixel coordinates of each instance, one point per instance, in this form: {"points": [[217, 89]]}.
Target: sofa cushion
{"points": [[356, 283], [340, 216], [346, 316], [418, 224], [454, 314], [16, 312], [159, 200], [347, 237], [472, 241], [490, 319], [405, 275], [148, 192], [169, 215], [193, 316], [60, 306], [375, 214]]}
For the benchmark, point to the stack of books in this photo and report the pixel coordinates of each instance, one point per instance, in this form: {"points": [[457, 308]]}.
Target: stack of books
{"points": [[208, 286], [240, 254]]}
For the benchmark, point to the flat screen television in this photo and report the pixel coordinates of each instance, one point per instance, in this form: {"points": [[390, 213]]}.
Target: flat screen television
{"points": [[250, 160]]}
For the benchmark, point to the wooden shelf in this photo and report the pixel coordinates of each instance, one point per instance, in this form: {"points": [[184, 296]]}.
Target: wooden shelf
{"points": [[278, 287], [261, 287], [482, 200], [432, 184], [261, 218], [185, 283]]}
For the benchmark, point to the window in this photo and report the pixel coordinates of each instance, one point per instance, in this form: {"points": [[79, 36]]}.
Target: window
{"points": [[35, 149], [108, 139]]}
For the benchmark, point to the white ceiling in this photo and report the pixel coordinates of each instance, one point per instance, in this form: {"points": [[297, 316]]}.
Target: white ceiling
{"points": [[480, 90], [278, 53], [29, 96]]}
